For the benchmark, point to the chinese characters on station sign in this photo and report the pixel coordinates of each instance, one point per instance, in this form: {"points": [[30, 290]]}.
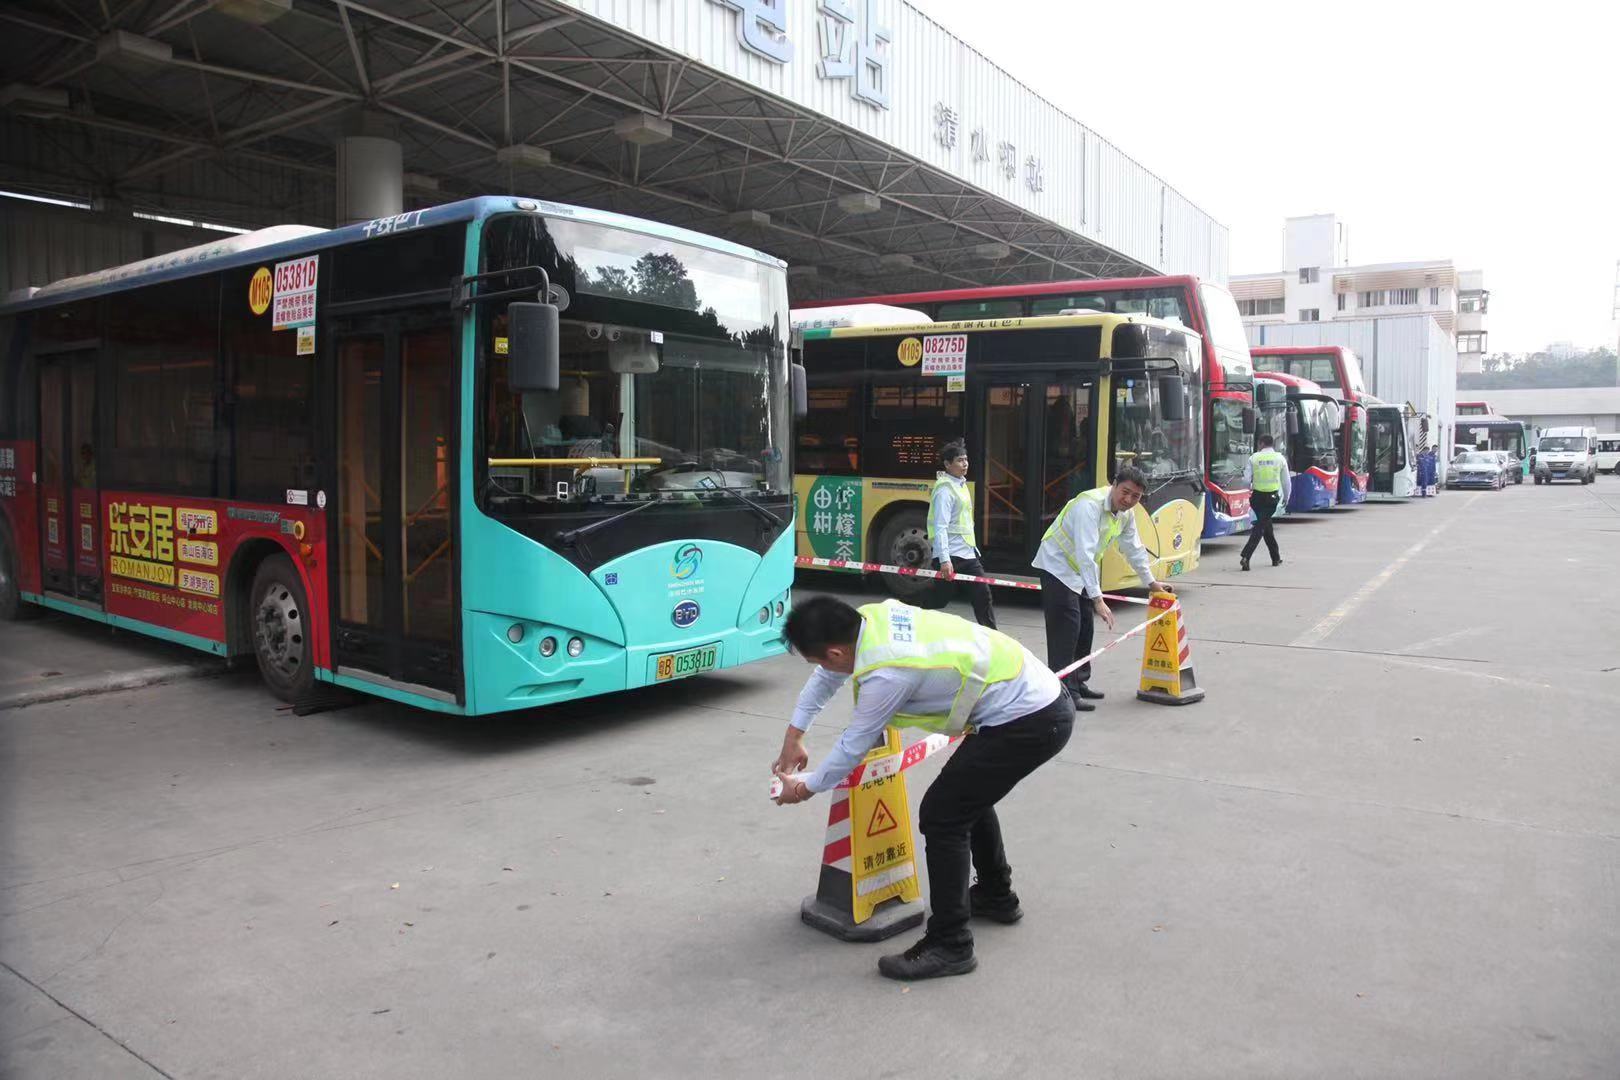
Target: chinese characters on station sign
{"points": [[856, 49]]}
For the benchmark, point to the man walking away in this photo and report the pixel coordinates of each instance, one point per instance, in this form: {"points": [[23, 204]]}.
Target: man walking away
{"points": [[1070, 561], [950, 531], [1270, 484]]}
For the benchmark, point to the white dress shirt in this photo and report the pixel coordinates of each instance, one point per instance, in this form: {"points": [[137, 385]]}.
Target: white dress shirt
{"points": [[949, 543], [1084, 526], [889, 690]]}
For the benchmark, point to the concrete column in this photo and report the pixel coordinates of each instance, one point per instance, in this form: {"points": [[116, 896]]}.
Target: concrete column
{"points": [[370, 179]]}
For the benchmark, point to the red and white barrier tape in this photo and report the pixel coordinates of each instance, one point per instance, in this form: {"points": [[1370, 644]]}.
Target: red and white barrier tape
{"points": [[929, 745], [906, 571]]}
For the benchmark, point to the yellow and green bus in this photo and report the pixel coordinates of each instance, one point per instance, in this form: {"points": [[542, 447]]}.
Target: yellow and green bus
{"points": [[1048, 407]]}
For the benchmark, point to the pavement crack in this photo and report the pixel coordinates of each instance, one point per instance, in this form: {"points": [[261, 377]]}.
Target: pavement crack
{"points": [[82, 1018]]}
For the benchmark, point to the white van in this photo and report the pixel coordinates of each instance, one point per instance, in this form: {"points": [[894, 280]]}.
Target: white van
{"points": [[1608, 453], [1567, 453]]}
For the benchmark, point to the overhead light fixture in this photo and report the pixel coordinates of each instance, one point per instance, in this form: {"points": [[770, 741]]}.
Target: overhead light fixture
{"points": [[36, 101], [643, 129], [897, 260], [132, 50], [743, 218], [860, 202], [524, 156], [994, 251], [257, 12]]}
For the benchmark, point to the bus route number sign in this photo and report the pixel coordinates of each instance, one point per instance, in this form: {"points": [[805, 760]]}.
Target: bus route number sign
{"points": [[944, 354], [294, 303]]}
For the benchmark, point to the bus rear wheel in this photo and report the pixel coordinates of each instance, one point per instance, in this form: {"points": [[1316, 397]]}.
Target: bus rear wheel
{"points": [[13, 608], [278, 614], [904, 542]]}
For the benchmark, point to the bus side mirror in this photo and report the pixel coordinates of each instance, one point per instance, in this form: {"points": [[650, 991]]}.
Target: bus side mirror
{"points": [[1172, 399], [1250, 421], [1293, 422], [801, 395], [533, 349]]}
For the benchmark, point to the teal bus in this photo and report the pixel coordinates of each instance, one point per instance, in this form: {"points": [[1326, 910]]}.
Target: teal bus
{"points": [[480, 457], [1485, 431]]}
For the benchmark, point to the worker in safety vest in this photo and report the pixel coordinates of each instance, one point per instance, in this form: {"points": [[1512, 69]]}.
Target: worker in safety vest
{"points": [[1070, 561], [950, 530], [1270, 484], [935, 671]]}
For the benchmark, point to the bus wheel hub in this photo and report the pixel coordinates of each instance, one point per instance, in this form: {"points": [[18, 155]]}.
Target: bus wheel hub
{"points": [[278, 631]]}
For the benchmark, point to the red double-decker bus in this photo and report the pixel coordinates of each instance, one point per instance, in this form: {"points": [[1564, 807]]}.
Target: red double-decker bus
{"points": [[1337, 371], [1198, 305]]}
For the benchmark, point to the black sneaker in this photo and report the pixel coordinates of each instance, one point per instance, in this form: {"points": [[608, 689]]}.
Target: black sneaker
{"points": [[1245, 561], [1088, 693], [1277, 561], [1080, 703], [1002, 909], [929, 960]]}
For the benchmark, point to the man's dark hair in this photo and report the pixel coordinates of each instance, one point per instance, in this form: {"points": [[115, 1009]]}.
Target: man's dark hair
{"points": [[951, 451], [820, 622], [1265, 441], [1130, 474]]}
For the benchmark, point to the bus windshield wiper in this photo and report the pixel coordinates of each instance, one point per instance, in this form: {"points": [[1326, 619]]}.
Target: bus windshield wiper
{"points": [[752, 505], [585, 530]]}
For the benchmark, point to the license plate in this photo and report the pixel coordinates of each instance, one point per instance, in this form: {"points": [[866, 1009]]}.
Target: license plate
{"points": [[680, 665], [1559, 475]]}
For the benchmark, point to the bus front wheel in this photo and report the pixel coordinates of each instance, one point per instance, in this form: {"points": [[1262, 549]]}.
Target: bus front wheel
{"points": [[904, 542], [278, 613]]}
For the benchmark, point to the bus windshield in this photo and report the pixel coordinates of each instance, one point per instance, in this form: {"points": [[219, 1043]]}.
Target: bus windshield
{"points": [[1358, 443], [1316, 432], [1160, 446], [1563, 444], [1229, 444], [674, 369]]}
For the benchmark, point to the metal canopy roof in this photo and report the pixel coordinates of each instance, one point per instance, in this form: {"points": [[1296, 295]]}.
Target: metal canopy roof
{"points": [[229, 111]]}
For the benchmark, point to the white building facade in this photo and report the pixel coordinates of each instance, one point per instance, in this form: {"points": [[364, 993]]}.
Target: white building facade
{"points": [[1318, 284]]}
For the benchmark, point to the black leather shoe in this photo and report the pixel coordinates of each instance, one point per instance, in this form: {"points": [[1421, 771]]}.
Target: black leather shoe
{"points": [[1245, 563], [1080, 703], [1088, 693], [1277, 561], [927, 960], [1002, 909]]}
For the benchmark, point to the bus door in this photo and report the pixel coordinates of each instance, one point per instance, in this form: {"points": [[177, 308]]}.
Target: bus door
{"points": [[1383, 436], [70, 514], [1037, 436], [394, 563]]}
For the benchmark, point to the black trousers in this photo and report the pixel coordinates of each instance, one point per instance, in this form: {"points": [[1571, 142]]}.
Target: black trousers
{"points": [[958, 814], [1265, 505], [1069, 628], [984, 607]]}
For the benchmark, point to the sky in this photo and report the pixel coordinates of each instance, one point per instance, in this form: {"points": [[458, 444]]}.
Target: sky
{"points": [[1483, 133]]}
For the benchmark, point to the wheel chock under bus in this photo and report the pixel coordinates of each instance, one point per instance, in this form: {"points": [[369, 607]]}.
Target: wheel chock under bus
{"points": [[1167, 669], [868, 889]]}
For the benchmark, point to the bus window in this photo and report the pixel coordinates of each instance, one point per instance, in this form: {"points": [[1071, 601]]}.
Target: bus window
{"points": [[830, 433], [1057, 305], [271, 410], [916, 419], [980, 309]]}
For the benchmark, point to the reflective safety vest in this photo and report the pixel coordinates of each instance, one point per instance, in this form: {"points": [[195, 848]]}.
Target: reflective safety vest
{"points": [[1110, 528], [896, 635], [1267, 466], [963, 525]]}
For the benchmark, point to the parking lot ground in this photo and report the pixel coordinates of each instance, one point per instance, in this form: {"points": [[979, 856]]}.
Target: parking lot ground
{"points": [[1387, 844]]}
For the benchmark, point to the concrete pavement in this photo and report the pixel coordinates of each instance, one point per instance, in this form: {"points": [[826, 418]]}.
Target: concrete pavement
{"points": [[1386, 845]]}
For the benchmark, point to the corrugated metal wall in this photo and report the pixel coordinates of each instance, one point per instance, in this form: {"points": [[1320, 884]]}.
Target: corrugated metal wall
{"points": [[41, 243], [1408, 359], [1090, 186]]}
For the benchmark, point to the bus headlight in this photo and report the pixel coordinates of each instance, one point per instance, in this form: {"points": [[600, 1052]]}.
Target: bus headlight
{"points": [[780, 607], [576, 646], [548, 646], [514, 633], [765, 614]]}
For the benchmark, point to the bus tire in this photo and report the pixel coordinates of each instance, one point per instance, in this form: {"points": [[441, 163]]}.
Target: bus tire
{"points": [[279, 616], [904, 542], [13, 608]]}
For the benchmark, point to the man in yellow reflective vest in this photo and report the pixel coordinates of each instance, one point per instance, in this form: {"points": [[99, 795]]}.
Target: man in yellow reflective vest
{"points": [[950, 530], [935, 671], [1070, 563], [1270, 484]]}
